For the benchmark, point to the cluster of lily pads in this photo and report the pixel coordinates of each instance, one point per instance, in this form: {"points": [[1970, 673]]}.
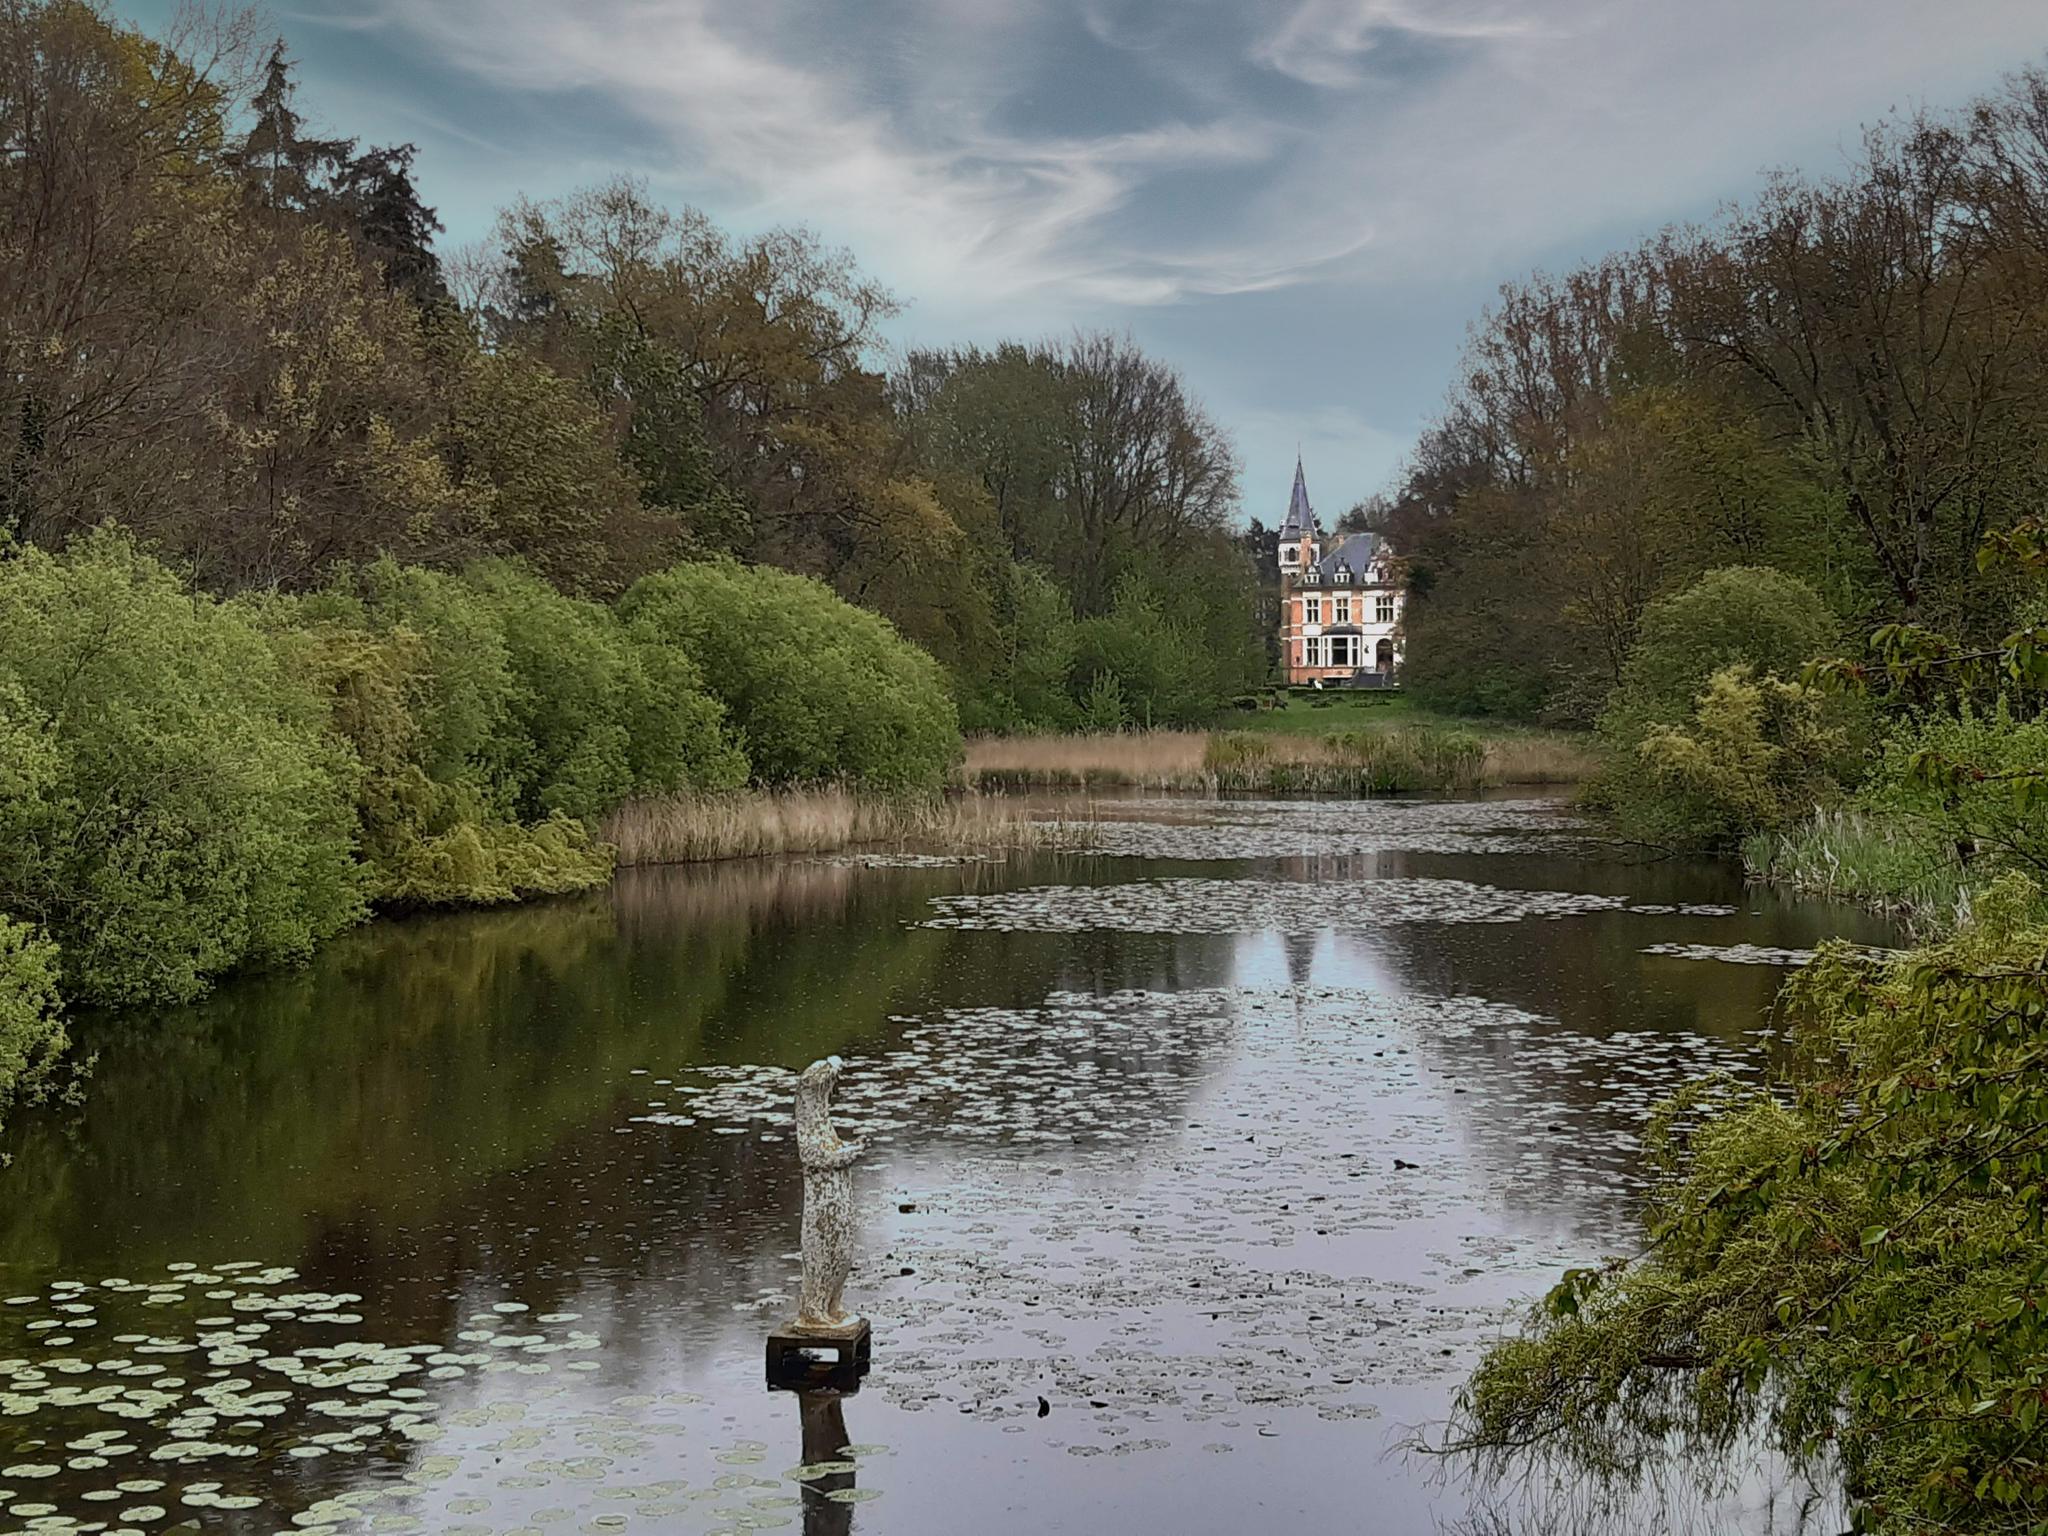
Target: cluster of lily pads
{"points": [[1326, 1175], [141, 1406], [1268, 829], [1733, 954], [1264, 906]]}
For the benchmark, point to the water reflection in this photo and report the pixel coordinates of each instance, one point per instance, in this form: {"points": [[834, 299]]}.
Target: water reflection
{"points": [[1148, 1176]]}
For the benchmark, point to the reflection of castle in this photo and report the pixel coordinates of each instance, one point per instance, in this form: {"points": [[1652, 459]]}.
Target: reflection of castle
{"points": [[1340, 606]]}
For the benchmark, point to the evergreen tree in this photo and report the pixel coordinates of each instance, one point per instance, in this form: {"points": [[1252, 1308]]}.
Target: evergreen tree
{"points": [[374, 191], [287, 171]]}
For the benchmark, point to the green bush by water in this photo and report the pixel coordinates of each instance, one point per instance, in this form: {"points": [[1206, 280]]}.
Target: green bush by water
{"points": [[174, 805], [1916, 839], [1706, 740], [189, 785], [31, 1023], [815, 689]]}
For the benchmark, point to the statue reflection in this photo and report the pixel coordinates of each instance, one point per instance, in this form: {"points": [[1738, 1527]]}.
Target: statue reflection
{"points": [[825, 1440]]}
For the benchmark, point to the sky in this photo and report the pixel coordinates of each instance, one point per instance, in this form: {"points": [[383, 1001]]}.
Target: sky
{"points": [[1299, 204]]}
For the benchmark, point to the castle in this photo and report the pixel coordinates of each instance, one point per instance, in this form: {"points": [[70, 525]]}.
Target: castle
{"points": [[1340, 608]]}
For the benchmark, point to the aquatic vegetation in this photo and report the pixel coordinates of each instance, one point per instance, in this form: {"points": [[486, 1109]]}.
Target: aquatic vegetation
{"points": [[1374, 760], [210, 1383], [1261, 829], [1251, 906], [1239, 1284], [1734, 954]]}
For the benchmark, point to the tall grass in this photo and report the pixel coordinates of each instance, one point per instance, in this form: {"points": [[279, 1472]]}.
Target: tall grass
{"points": [[1347, 763], [1134, 759], [1889, 862], [1540, 757], [682, 829], [1370, 761]]}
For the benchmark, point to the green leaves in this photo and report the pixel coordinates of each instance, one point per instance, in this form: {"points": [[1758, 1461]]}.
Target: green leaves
{"points": [[1860, 1272]]}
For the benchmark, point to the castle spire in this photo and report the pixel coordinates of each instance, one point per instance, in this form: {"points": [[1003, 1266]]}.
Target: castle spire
{"points": [[1301, 518]]}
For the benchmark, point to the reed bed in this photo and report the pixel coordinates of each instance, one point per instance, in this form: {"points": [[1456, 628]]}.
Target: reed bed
{"points": [[1888, 863], [1133, 759], [683, 829], [1379, 760], [1540, 757]]}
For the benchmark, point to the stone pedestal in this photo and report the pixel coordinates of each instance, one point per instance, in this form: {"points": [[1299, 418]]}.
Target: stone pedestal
{"points": [[804, 1356]]}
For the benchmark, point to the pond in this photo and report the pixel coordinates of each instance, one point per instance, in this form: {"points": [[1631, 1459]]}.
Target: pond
{"points": [[1200, 1168]]}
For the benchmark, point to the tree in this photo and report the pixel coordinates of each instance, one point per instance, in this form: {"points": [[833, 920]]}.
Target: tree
{"points": [[816, 689], [174, 808]]}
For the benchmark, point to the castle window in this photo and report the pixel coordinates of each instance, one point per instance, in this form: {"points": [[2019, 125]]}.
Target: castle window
{"points": [[1312, 610], [1288, 554], [1343, 606], [1386, 608]]}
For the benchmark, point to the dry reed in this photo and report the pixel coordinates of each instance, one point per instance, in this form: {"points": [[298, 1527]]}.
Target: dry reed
{"points": [[1139, 759], [1540, 758], [681, 829], [1400, 757]]}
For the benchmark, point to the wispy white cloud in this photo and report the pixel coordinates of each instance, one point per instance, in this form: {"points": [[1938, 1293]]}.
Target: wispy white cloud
{"points": [[1324, 42], [1182, 166], [962, 206]]}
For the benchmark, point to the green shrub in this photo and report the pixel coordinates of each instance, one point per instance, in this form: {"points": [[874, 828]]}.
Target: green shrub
{"points": [[1756, 754], [598, 712], [1736, 616], [1846, 1265], [494, 717], [1950, 804], [172, 807], [31, 1021], [816, 689], [1689, 760]]}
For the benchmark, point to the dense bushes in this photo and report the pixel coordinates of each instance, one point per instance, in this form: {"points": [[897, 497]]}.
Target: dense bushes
{"points": [[1706, 740], [1848, 1266], [188, 785], [173, 805], [31, 1029], [815, 688], [1946, 807]]}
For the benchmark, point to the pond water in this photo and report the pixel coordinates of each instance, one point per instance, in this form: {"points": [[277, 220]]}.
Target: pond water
{"points": [[1200, 1168]]}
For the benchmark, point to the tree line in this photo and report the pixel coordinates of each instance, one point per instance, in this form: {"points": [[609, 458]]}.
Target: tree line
{"points": [[235, 336], [1762, 503], [1844, 379], [337, 572]]}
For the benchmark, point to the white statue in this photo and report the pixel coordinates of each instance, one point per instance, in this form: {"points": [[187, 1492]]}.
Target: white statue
{"points": [[828, 1198]]}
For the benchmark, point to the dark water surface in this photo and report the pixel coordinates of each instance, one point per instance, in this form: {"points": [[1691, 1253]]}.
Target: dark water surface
{"points": [[478, 1223]]}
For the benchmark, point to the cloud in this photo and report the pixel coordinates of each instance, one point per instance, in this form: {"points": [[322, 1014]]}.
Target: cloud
{"points": [[1324, 41], [1261, 189], [962, 206]]}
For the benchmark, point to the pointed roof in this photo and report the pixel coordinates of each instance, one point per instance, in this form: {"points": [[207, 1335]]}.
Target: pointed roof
{"points": [[1301, 518]]}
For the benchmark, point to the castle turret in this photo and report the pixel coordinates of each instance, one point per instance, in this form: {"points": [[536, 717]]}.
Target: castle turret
{"points": [[1301, 541]]}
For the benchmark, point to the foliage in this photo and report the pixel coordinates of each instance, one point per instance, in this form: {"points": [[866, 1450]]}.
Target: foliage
{"points": [[1021, 680], [174, 808], [1756, 753], [32, 1036], [816, 690], [495, 717], [1860, 1268], [1371, 762], [1166, 669], [1840, 380], [1705, 742]]}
